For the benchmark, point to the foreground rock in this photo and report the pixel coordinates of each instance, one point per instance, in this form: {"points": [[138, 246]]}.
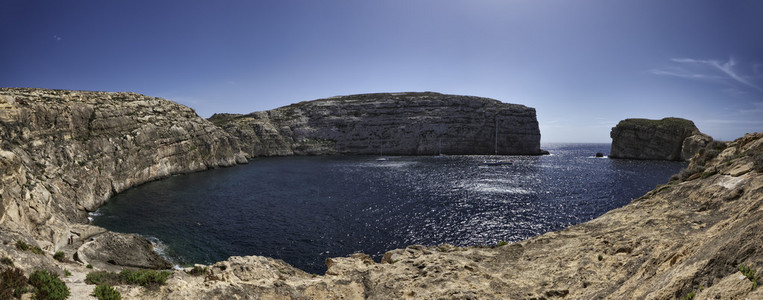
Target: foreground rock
{"points": [[388, 124], [687, 236], [112, 249], [666, 139], [64, 153]]}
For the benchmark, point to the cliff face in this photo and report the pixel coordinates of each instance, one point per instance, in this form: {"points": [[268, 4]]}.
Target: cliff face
{"points": [[666, 139], [389, 124], [63, 153], [687, 236]]}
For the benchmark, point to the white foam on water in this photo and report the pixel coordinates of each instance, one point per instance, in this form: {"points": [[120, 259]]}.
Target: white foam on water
{"points": [[161, 249], [91, 215]]}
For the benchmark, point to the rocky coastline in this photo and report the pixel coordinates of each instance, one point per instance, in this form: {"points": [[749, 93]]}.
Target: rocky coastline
{"points": [[66, 152]]}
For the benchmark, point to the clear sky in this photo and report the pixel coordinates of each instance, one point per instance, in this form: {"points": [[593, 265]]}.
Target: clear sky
{"points": [[584, 65]]}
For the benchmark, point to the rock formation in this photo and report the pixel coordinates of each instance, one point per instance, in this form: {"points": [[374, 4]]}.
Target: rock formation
{"points": [[64, 153], [666, 139], [389, 124]]}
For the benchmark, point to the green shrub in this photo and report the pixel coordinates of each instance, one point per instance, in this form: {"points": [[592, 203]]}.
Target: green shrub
{"points": [[147, 278], [59, 256], [7, 261], [67, 273], [708, 174], [23, 246], [12, 283], [48, 286], [106, 292], [103, 277], [502, 243], [198, 271], [750, 274], [89, 266]]}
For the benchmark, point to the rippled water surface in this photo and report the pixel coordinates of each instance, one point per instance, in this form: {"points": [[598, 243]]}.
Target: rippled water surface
{"points": [[306, 209]]}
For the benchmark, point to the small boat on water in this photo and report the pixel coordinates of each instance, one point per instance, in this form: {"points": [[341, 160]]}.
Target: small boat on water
{"points": [[498, 162]]}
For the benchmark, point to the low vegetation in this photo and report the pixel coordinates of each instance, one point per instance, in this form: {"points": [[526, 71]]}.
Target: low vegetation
{"points": [[749, 272], [7, 261], [13, 283], [59, 256], [146, 278], [106, 292], [48, 285], [198, 271], [23, 246]]}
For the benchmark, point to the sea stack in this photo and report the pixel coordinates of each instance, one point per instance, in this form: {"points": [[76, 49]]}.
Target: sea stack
{"points": [[389, 124], [667, 139]]}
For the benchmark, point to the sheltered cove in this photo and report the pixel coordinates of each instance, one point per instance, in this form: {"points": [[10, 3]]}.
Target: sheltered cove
{"points": [[66, 152]]}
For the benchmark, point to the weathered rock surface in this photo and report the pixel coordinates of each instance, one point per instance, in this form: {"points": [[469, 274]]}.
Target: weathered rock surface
{"points": [[115, 249], [666, 139], [64, 153], [682, 237], [390, 124]]}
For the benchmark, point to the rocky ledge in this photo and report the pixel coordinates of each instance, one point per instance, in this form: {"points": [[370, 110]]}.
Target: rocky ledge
{"points": [[666, 139], [389, 124]]}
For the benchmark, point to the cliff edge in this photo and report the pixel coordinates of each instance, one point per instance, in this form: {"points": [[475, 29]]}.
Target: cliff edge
{"points": [[666, 139], [388, 124]]}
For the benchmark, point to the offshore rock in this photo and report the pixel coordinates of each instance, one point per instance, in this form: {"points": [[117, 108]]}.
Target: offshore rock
{"points": [[684, 237], [667, 139], [388, 124], [64, 153]]}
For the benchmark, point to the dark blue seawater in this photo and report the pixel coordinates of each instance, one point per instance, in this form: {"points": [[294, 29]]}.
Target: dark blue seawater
{"points": [[306, 209]]}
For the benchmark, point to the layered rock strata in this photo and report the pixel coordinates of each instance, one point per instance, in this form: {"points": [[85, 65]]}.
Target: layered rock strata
{"points": [[667, 139], [64, 153], [685, 237], [388, 124]]}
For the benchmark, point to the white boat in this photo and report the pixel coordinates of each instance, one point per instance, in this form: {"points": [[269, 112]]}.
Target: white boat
{"points": [[497, 162]]}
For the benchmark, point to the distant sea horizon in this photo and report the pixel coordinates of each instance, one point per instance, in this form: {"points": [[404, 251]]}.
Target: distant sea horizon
{"points": [[306, 209]]}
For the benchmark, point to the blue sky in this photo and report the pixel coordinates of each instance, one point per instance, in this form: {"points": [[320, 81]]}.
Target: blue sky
{"points": [[584, 65]]}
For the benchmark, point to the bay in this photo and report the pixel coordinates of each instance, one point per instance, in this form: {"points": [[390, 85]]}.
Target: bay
{"points": [[306, 209]]}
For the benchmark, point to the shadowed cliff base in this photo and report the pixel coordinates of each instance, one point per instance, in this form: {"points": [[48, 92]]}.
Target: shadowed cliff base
{"points": [[388, 124]]}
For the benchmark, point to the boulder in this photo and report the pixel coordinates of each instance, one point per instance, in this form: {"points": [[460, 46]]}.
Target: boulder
{"points": [[120, 249]]}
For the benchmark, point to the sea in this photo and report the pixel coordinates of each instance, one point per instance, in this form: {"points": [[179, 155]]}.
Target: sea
{"points": [[306, 209]]}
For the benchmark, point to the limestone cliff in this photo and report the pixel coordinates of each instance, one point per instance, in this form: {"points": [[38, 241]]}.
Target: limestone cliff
{"points": [[390, 124], [666, 139], [64, 153]]}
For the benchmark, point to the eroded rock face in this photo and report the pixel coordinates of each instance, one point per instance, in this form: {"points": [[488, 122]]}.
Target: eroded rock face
{"points": [[656, 139], [63, 153], [388, 124]]}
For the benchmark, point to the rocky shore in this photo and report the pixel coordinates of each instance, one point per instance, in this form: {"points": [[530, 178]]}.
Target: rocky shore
{"points": [[666, 139], [64, 153]]}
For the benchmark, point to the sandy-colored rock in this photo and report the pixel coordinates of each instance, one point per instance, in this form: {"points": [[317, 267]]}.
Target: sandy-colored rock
{"points": [[64, 153], [388, 124], [118, 249]]}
